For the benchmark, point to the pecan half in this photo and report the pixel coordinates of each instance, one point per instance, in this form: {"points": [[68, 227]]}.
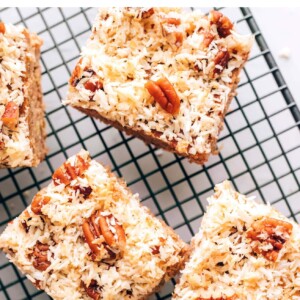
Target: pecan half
{"points": [[102, 229], [40, 251], [93, 86], [2, 28], [38, 202], [112, 231], [67, 172], [91, 232], [223, 24], [221, 61], [93, 290], [147, 13], [10, 117], [269, 231], [164, 93]]}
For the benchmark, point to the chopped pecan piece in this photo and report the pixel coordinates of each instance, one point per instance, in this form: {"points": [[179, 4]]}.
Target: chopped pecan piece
{"points": [[147, 13], [103, 229], [67, 172], [26, 216], [221, 61], [25, 226], [223, 24], [76, 74], [2, 28], [171, 31], [2, 145], [207, 39], [40, 251], [38, 202], [24, 106], [93, 86], [155, 250], [81, 165], [60, 176], [269, 231], [178, 38], [164, 93], [93, 290], [84, 190], [173, 21], [70, 170], [10, 118]]}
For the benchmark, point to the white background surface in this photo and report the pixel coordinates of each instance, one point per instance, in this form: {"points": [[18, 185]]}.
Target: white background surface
{"points": [[281, 28]]}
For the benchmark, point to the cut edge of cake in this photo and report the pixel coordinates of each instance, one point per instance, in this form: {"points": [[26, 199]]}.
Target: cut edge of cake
{"points": [[22, 141]]}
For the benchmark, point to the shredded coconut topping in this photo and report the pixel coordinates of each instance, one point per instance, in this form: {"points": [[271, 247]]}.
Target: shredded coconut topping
{"points": [[224, 263], [126, 50]]}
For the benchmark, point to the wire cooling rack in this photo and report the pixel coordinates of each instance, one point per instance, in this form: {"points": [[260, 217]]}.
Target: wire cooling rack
{"points": [[260, 144]]}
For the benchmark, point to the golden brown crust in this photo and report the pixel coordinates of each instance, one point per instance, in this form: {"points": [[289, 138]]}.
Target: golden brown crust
{"points": [[234, 85], [36, 119], [32, 108], [148, 138]]}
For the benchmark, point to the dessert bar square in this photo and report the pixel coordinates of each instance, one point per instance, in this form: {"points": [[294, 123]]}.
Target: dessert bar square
{"points": [[243, 251], [86, 236], [22, 124], [162, 74]]}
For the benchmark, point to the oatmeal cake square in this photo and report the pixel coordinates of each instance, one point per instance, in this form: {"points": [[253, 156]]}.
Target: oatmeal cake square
{"points": [[243, 251], [162, 74], [86, 236], [22, 124]]}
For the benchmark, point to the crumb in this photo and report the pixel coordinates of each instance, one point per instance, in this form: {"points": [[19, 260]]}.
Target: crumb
{"points": [[285, 53], [159, 152], [26, 194], [220, 147]]}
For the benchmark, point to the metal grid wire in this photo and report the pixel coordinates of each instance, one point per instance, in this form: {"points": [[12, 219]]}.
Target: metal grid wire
{"points": [[260, 144]]}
